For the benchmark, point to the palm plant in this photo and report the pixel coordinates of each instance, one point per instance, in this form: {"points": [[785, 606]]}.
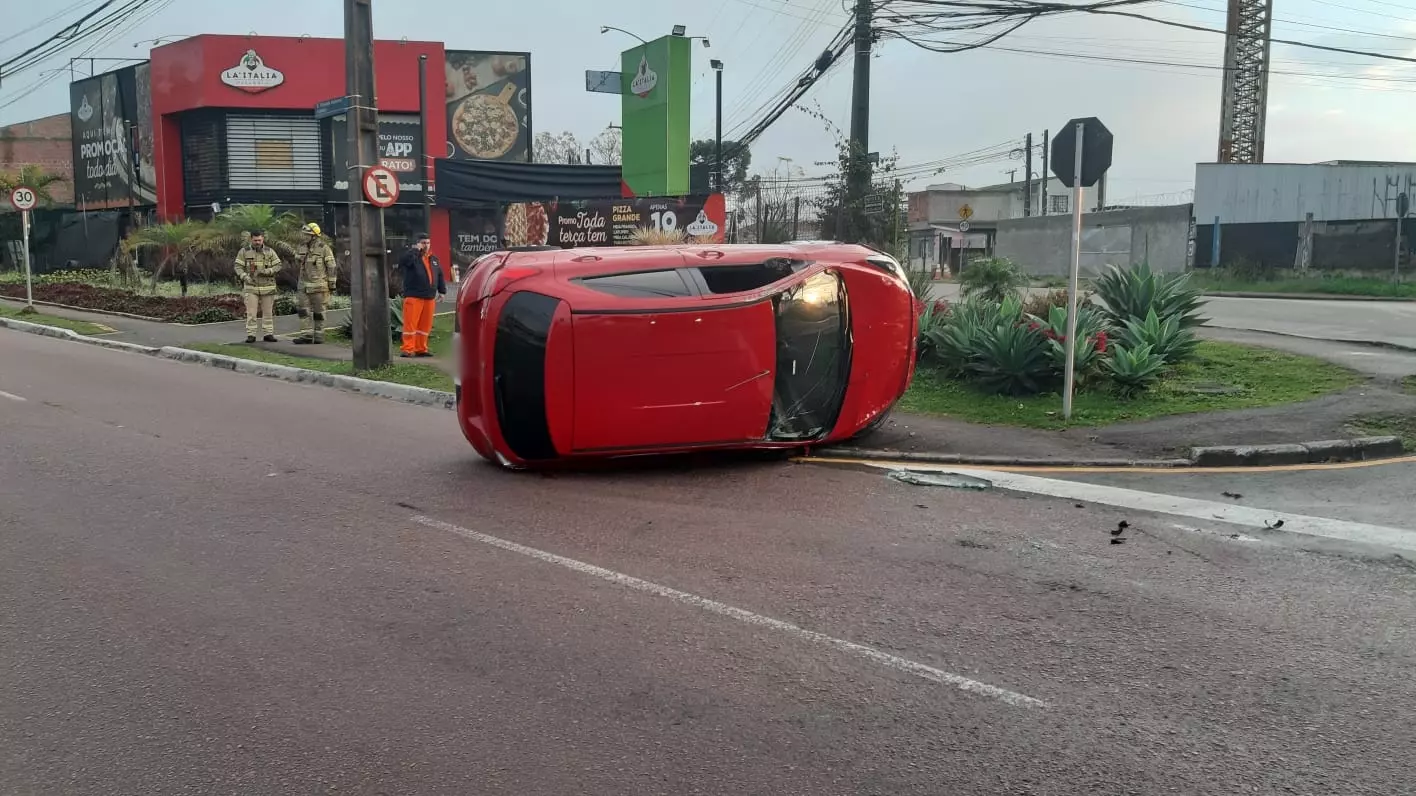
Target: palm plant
{"points": [[173, 240], [36, 179], [992, 278], [231, 228]]}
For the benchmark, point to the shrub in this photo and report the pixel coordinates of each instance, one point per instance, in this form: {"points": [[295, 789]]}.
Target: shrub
{"points": [[953, 338], [1166, 338], [1012, 359], [1041, 304], [992, 278], [921, 280], [1133, 370], [286, 304], [1091, 330], [1132, 293], [176, 310], [211, 315]]}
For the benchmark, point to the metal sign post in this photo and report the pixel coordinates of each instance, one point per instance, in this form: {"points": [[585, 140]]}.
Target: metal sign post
{"points": [[1069, 377], [1086, 144], [1403, 206], [24, 200]]}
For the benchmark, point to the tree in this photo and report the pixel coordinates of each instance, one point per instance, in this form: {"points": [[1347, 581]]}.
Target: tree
{"points": [[35, 178], [607, 148], [874, 219], [175, 242], [557, 148], [736, 160]]}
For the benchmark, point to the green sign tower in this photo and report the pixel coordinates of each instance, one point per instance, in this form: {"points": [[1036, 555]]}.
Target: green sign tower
{"points": [[656, 81]]}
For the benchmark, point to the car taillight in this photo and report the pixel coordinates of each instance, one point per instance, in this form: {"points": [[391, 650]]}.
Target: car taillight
{"points": [[500, 279]]}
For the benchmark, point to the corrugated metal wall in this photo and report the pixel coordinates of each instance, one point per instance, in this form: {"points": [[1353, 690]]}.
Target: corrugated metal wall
{"points": [[1279, 192]]}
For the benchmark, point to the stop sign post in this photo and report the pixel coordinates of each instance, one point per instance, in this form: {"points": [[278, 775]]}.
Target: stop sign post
{"points": [[1081, 154], [24, 200]]}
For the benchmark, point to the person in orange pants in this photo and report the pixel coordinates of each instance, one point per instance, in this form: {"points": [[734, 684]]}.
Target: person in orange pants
{"points": [[423, 287]]}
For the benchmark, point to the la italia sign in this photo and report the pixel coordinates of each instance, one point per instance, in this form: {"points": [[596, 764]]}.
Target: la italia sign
{"points": [[252, 75]]}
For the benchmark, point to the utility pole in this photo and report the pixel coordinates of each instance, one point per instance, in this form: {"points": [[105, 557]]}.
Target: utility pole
{"points": [[859, 182], [423, 131], [1042, 198], [718, 128], [1027, 175], [367, 252]]}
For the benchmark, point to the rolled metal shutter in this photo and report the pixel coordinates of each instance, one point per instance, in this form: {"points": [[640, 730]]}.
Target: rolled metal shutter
{"points": [[273, 153]]}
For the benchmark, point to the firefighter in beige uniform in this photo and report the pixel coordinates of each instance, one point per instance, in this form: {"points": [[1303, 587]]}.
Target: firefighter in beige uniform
{"points": [[256, 267], [318, 273]]}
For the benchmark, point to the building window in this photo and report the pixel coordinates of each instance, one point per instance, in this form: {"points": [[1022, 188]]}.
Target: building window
{"points": [[1057, 203], [273, 153]]}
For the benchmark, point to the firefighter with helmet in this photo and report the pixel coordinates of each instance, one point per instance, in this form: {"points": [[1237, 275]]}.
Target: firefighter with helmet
{"points": [[318, 273]]}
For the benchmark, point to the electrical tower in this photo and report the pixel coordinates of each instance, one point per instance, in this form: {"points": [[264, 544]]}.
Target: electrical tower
{"points": [[1244, 100]]}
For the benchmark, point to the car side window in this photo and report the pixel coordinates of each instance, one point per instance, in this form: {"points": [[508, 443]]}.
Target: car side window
{"points": [[742, 278], [643, 284]]}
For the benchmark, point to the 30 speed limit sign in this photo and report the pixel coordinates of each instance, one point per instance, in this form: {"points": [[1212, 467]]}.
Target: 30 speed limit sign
{"points": [[23, 198]]}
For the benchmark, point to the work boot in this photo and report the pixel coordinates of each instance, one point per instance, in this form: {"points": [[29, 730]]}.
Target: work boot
{"points": [[270, 338], [250, 338], [422, 354], [318, 339], [305, 341]]}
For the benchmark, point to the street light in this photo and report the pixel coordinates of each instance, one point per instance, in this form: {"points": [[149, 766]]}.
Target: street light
{"points": [[608, 28], [718, 135]]}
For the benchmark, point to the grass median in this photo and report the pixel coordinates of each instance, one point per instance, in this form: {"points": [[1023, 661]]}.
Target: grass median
{"points": [[412, 374], [1222, 376], [81, 327], [1372, 287]]}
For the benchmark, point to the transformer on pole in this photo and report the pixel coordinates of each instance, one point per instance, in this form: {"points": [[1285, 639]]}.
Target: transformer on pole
{"points": [[1244, 100]]}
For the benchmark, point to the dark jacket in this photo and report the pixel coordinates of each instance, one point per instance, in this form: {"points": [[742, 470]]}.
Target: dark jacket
{"points": [[415, 277]]}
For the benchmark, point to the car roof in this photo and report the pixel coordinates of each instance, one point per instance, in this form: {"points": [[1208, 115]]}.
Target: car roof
{"points": [[589, 261]]}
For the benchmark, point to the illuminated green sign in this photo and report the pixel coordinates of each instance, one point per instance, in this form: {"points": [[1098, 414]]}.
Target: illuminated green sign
{"points": [[656, 78]]}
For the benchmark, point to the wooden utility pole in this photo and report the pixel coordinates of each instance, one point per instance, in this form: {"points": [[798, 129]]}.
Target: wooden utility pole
{"points": [[367, 252]]}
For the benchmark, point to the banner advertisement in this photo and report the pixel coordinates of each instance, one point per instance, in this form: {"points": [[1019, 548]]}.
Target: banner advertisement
{"points": [[474, 233], [614, 222], [400, 151], [113, 140], [488, 105]]}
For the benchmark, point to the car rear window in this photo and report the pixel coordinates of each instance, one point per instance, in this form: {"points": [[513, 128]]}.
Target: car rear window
{"points": [[643, 284]]}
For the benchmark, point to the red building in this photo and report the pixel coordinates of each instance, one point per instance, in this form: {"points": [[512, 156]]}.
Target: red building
{"points": [[213, 121]]}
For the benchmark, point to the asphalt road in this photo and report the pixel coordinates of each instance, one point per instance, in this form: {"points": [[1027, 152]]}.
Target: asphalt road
{"points": [[1377, 495], [214, 583]]}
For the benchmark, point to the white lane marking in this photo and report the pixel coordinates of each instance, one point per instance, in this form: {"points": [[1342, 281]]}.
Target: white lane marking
{"points": [[1182, 507], [11, 396], [723, 609]]}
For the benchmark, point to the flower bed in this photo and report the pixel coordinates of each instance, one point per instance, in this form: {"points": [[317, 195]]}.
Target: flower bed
{"points": [[204, 309]]}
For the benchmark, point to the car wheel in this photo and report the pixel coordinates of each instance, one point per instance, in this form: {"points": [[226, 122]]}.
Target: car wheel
{"points": [[873, 426]]}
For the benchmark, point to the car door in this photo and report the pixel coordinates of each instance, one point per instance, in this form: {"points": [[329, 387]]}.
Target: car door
{"points": [[674, 374]]}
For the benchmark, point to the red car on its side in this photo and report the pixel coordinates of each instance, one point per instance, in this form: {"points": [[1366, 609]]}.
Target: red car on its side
{"points": [[572, 353]]}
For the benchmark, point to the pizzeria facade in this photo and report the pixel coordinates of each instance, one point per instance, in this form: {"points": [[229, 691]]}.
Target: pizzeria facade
{"points": [[212, 121]]}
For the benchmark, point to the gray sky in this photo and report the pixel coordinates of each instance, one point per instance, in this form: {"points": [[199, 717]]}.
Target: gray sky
{"points": [[927, 107]]}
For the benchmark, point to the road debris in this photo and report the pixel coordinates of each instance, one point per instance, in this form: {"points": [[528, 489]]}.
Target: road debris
{"points": [[951, 480]]}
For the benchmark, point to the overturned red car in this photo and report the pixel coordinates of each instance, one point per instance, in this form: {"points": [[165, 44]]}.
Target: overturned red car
{"points": [[601, 352]]}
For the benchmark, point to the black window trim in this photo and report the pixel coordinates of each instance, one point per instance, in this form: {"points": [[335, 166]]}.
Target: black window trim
{"points": [[689, 283]]}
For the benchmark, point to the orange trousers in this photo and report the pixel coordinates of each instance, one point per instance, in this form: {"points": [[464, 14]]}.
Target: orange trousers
{"points": [[417, 324]]}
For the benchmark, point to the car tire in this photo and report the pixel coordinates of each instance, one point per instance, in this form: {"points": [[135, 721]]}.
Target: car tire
{"points": [[873, 426]]}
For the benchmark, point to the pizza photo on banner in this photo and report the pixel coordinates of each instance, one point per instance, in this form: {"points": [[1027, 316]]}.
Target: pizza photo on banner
{"points": [[614, 222], [488, 106]]}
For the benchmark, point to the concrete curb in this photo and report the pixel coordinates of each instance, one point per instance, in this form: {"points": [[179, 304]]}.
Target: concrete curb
{"points": [[1336, 450], [1333, 450], [997, 461], [1344, 341], [1301, 296], [419, 396]]}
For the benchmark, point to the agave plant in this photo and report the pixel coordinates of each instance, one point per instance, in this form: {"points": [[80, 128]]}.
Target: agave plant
{"points": [[1133, 370], [645, 236], [1012, 359], [952, 337], [1091, 334], [1166, 337], [1132, 293]]}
